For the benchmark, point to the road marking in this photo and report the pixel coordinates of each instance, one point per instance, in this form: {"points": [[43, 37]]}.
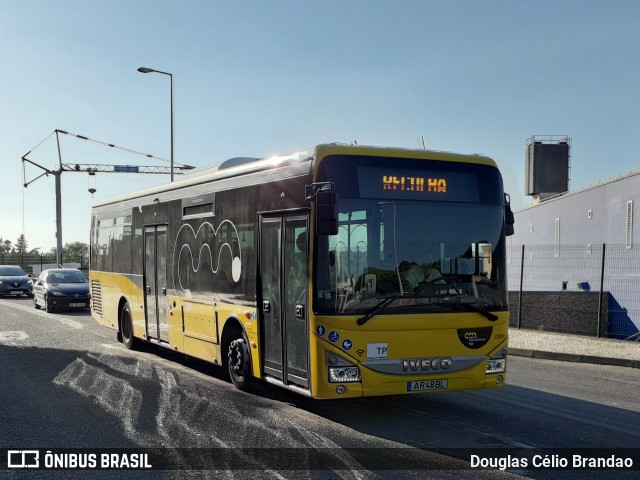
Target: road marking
{"points": [[67, 321], [10, 337], [51, 316]]}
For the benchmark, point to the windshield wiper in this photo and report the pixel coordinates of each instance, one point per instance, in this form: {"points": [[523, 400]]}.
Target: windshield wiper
{"points": [[474, 308], [382, 304], [385, 302]]}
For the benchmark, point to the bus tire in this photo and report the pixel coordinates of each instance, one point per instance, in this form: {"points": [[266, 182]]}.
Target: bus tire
{"points": [[126, 327], [239, 364]]}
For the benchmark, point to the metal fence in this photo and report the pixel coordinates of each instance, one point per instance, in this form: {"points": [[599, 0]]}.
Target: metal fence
{"points": [[587, 289], [34, 264]]}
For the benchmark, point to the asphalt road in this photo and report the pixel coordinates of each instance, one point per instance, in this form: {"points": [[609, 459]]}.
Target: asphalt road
{"points": [[67, 383]]}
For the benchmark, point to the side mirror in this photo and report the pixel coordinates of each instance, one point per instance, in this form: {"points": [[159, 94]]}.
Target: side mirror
{"points": [[509, 219], [326, 213]]}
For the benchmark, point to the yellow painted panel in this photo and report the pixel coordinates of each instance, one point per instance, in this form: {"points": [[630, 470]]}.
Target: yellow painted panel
{"points": [[416, 336], [199, 320], [206, 351], [247, 316], [115, 287]]}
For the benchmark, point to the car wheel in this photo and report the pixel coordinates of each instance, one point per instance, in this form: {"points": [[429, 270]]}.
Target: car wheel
{"points": [[48, 306], [35, 303], [126, 327]]}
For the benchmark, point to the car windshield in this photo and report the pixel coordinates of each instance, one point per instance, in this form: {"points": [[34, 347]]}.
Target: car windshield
{"points": [[67, 277], [12, 271], [397, 252]]}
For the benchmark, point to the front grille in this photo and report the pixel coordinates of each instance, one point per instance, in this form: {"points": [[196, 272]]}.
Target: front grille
{"points": [[96, 296]]}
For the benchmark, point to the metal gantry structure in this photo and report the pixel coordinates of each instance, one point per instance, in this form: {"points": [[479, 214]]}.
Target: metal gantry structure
{"points": [[91, 169]]}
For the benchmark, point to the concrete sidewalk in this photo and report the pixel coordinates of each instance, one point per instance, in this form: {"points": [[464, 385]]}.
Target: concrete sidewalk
{"points": [[574, 348]]}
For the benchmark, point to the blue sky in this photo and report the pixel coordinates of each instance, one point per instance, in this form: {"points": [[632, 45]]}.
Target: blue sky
{"points": [[255, 78]]}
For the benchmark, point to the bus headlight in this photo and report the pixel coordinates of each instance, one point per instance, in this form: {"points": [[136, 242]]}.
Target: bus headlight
{"points": [[341, 370], [496, 365], [344, 374]]}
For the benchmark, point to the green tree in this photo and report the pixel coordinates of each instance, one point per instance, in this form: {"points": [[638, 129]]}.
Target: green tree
{"points": [[74, 252], [5, 246], [21, 244]]}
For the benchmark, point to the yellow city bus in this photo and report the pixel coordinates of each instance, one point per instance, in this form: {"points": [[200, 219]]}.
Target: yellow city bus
{"points": [[345, 271]]}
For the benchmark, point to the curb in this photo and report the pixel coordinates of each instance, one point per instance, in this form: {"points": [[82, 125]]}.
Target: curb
{"points": [[573, 357]]}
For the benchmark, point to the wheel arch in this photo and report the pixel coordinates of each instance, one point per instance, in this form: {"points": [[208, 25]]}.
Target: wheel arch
{"points": [[231, 330]]}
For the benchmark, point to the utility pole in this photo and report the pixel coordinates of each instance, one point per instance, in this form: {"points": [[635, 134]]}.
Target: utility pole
{"points": [[57, 174], [91, 169]]}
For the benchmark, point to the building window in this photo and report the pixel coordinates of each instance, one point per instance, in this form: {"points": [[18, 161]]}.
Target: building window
{"points": [[629, 236], [557, 237]]}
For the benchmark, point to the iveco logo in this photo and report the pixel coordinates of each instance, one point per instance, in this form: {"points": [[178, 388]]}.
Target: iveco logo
{"points": [[424, 364]]}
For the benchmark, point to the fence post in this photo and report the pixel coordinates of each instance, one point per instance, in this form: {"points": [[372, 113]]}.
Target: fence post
{"points": [[604, 249], [520, 295]]}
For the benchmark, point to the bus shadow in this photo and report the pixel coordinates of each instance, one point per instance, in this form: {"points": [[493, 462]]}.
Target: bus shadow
{"points": [[158, 403], [509, 417]]}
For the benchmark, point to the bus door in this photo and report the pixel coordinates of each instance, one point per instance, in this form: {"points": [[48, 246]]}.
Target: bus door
{"points": [[155, 279], [284, 281]]}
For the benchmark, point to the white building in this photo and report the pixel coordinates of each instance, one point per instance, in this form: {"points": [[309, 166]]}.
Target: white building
{"points": [[565, 237]]}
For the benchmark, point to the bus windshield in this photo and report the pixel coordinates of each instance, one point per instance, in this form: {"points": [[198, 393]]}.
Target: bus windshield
{"points": [[429, 251]]}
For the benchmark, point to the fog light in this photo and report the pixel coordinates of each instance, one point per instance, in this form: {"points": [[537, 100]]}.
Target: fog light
{"points": [[498, 379], [340, 389], [496, 365]]}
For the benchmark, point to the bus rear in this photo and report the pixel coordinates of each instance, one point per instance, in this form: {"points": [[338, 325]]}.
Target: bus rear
{"points": [[409, 296]]}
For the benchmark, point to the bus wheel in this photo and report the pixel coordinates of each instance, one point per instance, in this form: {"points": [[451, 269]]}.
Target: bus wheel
{"points": [[239, 364], [126, 327]]}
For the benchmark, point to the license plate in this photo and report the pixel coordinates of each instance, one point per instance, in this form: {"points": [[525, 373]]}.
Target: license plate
{"points": [[77, 305], [16, 292], [422, 385]]}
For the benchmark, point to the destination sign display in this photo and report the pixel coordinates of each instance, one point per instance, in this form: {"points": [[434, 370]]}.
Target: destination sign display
{"points": [[411, 184], [402, 184]]}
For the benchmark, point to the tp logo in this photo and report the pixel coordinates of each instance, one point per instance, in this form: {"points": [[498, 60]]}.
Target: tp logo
{"points": [[23, 459]]}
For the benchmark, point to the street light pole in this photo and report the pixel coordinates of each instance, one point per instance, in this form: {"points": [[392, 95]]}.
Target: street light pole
{"points": [[151, 70]]}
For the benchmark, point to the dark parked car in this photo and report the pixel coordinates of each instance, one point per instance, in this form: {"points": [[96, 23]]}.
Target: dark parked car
{"points": [[61, 288], [14, 281]]}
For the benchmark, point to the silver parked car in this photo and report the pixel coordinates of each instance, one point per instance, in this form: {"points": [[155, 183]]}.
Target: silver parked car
{"points": [[57, 288], [14, 281]]}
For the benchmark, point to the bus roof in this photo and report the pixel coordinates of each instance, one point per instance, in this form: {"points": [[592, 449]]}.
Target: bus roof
{"points": [[238, 166], [324, 150]]}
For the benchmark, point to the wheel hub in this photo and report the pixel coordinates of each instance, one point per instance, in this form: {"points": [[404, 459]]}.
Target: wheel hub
{"points": [[239, 357]]}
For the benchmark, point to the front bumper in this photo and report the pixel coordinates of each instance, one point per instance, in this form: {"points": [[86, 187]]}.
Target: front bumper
{"points": [[10, 289], [68, 302]]}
